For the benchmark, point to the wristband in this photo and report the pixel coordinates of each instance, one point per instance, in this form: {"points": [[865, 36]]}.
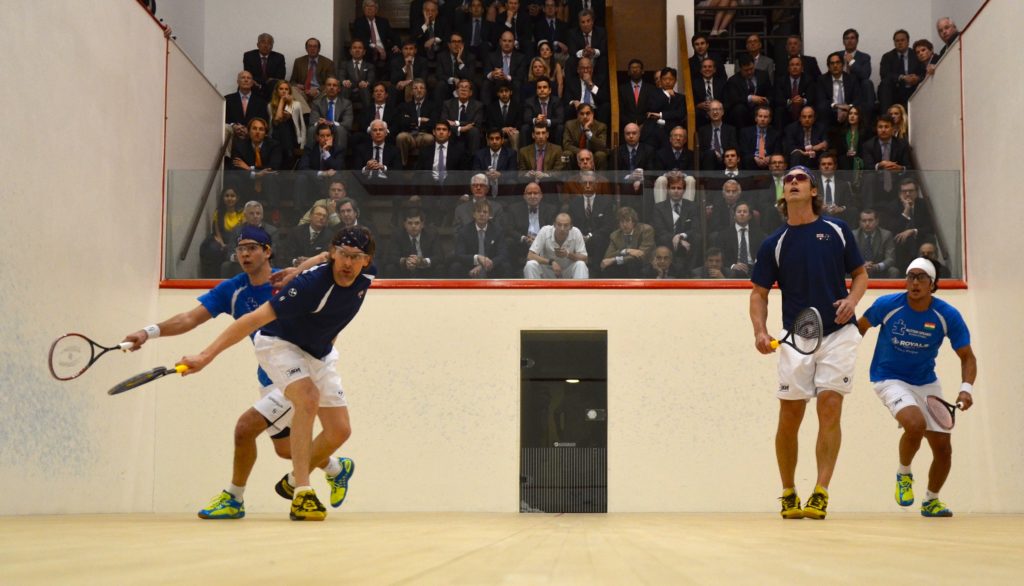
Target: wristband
{"points": [[153, 332], [966, 388]]}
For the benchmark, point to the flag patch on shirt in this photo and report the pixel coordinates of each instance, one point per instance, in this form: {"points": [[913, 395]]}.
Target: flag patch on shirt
{"points": [[929, 325]]}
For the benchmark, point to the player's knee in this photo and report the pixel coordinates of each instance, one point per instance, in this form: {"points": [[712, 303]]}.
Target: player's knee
{"points": [[942, 450], [338, 436], [914, 426], [249, 426], [305, 399]]}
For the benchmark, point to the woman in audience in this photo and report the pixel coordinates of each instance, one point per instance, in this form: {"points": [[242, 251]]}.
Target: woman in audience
{"points": [[286, 124], [538, 69], [228, 216], [848, 138], [557, 73], [723, 18], [899, 116]]}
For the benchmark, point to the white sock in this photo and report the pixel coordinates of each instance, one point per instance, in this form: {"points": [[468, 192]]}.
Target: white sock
{"points": [[333, 468], [929, 495], [901, 469], [237, 491], [291, 479], [299, 489]]}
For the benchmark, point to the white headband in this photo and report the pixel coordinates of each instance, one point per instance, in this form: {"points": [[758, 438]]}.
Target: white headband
{"points": [[924, 264]]}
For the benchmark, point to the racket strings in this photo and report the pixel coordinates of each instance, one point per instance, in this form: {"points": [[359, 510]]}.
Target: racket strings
{"points": [[807, 331], [70, 356], [941, 414]]}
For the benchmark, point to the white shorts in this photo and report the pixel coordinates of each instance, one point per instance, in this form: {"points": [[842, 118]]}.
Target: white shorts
{"points": [[829, 369], [275, 409], [286, 363], [897, 395]]}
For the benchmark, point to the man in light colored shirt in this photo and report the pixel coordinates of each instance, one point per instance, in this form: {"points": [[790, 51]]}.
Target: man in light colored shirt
{"points": [[558, 251]]}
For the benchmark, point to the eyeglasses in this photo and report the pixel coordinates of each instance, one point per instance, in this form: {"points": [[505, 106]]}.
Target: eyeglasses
{"points": [[352, 256], [247, 248], [795, 178], [911, 277]]}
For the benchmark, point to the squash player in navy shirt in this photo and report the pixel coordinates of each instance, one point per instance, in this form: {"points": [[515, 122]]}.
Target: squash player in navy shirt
{"points": [[297, 351], [913, 325], [809, 258]]}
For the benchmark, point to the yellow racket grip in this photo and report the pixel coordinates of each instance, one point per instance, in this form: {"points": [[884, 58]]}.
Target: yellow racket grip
{"points": [[774, 344], [181, 368]]}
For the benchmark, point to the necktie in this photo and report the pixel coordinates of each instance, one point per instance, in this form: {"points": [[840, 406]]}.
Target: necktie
{"points": [[716, 141], [544, 108], [373, 34], [506, 64], [629, 241], [588, 98], [840, 96], [583, 138], [416, 244], [587, 38], [419, 105], [462, 113], [794, 109], [903, 61], [750, 86], [356, 68], [263, 63], [376, 154], [330, 110], [778, 189], [636, 94], [632, 158], [312, 237], [504, 112], [744, 253], [886, 175], [828, 192], [807, 139], [676, 208], [475, 39], [245, 104], [590, 204], [309, 74], [257, 160], [540, 160], [494, 160], [709, 92], [760, 142], [481, 244], [442, 169], [380, 113]]}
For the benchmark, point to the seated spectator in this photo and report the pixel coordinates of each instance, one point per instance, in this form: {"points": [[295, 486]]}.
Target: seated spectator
{"points": [[556, 71], [661, 266], [837, 196], [794, 91], [584, 132], [333, 110], [336, 192], [900, 71], [551, 30], [739, 242], [415, 251], [924, 50], [929, 251], [375, 33], [309, 72], [838, 91], [405, 68], [524, 220], [676, 223], [348, 213], [665, 110], [265, 64], [453, 66], [558, 252], [243, 105], [675, 155], [444, 156], [808, 64], [381, 107], [708, 86], [721, 208], [712, 267], [377, 156], [305, 240], [630, 160], [715, 138], [629, 247], [214, 250], [746, 90], [504, 65], [590, 41], [876, 246], [581, 88], [759, 141], [541, 158], [256, 159], [357, 75], [592, 212], [465, 116], [253, 212], [544, 110], [805, 140], [480, 248], [891, 158], [479, 32], [324, 162], [513, 18], [854, 61], [537, 69], [848, 139], [494, 160], [435, 27], [505, 114], [465, 212], [287, 126], [702, 52], [416, 121], [912, 224], [761, 61], [900, 128]]}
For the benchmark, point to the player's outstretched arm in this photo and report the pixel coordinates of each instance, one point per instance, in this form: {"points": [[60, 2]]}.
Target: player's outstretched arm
{"points": [[185, 321], [285, 276], [234, 333]]}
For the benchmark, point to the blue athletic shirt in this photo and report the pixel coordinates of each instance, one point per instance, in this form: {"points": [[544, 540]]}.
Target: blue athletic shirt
{"points": [[313, 309], [810, 263], [236, 297], [909, 341]]}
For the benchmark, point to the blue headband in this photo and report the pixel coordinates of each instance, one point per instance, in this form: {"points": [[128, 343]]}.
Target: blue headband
{"points": [[253, 233], [355, 236]]}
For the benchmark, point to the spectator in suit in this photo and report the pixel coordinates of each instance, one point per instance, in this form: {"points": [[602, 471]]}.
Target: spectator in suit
{"points": [[837, 197], [739, 242], [581, 89], [629, 247], [453, 66], [336, 192], [876, 246], [478, 32], [466, 116], [256, 159], [253, 212], [416, 121], [554, 30], [265, 65], [766, 211], [805, 140], [544, 110], [746, 90], [333, 110], [415, 251], [504, 65], [381, 107], [809, 65], [675, 155], [586, 133], [558, 252], [593, 214], [634, 95], [758, 142], [701, 52], [495, 159], [377, 156], [480, 248], [792, 92], [538, 160], [479, 189], [350, 216], [630, 160], [761, 61], [505, 115], [320, 164], [676, 222], [891, 157], [435, 28], [515, 19], [444, 156], [592, 42], [947, 32], [405, 68], [924, 50], [929, 251], [524, 220], [855, 62], [721, 209], [357, 75], [707, 87], [242, 106], [666, 109], [838, 91], [309, 72], [715, 138], [900, 71], [661, 266], [546, 54], [375, 33], [306, 240], [912, 225], [712, 268]]}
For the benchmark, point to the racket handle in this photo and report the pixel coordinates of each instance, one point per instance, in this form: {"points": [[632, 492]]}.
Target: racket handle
{"points": [[774, 344], [181, 368], [125, 346]]}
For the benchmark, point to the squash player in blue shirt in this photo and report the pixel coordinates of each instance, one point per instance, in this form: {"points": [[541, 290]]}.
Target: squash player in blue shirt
{"points": [[809, 258], [272, 413], [295, 345], [913, 325]]}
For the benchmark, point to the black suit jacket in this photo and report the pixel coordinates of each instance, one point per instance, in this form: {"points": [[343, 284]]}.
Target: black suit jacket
{"points": [[556, 115], [408, 121], [871, 153], [270, 154], [667, 161], [513, 117], [364, 152], [488, 35], [361, 31], [297, 244], [233, 114], [402, 246], [727, 240], [861, 64], [506, 160], [599, 41], [793, 139], [645, 159], [574, 92], [442, 30], [736, 90], [748, 145], [811, 69], [704, 139], [688, 223], [672, 110], [808, 90], [397, 67], [517, 67], [890, 69], [391, 116], [447, 69], [252, 63], [695, 61], [517, 224], [632, 109], [495, 247], [700, 95], [601, 222], [474, 113], [455, 157], [312, 161], [541, 30], [851, 94]]}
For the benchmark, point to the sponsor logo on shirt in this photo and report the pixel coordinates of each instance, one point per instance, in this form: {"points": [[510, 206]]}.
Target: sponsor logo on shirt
{"points": [[783, 388], [823, 236], [292, 371], [292, 292], [929, 325]]}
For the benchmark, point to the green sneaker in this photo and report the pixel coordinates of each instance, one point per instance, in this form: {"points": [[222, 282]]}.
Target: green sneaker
{"points": [[935, 508], [791, 505], [339, 483], [223, 506], [284, 488], [816, 504], [306, 507], [904, 489]]}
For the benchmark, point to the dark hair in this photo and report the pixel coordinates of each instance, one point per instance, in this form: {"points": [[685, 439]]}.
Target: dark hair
{"points": [[494, 130], [712, 251], [222, 208], [924, 43], [885, 118], [637, 61], [442, 122], [584, 105], [816, 204], [744, 59], [851, 30], [895, 34], [543, 78], [347, 200], [412, 212], [320, 127], [694, 38]]}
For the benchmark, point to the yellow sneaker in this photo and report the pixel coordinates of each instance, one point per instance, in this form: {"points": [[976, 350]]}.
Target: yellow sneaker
{"points": [[935, 508], [223, 506], [791, 505], [306, 507], [904, 489], [339, 483], [816, 504]]}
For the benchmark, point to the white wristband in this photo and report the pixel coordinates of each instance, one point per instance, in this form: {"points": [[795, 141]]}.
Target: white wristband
{"points": [[966, 388], [152, 332]]}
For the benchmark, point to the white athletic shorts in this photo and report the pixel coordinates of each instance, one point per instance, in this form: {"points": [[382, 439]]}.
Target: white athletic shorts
{"points": [[828, 369], [286, 363], [275, 409], [897, 395]]}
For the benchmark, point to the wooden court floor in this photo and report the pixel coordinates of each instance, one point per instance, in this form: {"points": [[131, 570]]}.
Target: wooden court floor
{"points": [[468, 548]]}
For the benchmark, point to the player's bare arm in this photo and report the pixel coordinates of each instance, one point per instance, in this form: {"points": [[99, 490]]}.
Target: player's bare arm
{"points": [[234, 333]]}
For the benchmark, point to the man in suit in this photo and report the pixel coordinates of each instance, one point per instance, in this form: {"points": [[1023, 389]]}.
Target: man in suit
{"points": [[855, 62], [524, 219], [480, 248], [243, 105], [465, 115], [504, 65], [375, 32], [377, 157], [590, 41], [947, 32], [661, 266], [675, 155], [746, 90], [837, 198], [593, 214], [256, 159], [723, 206], [416, 121], [444, 156], [454, 65], [516, 20], [405, 68], [430, 37], [912, 223], [321, 164], [759, 141], [804, 140], [581, 89], [333, 110], [676, 223], [478, 32], [309, 72], [702, 52], [712, 267], [554, 30], [539, 159], [876, 246], [305, 241], [666, 109], [629, 247], [634, 95], [357, 75], [793, 91], [837, 92], [900, 71], [809, 65], [631, 159], [708, 86], [586, 133], [381, 107], [740, 241], [265, 65], [545, 110], [505, 114], [761, 61], [415, 252], [479, 188], [595, 6], [889, 156], [715, 138], [495, 160]]}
